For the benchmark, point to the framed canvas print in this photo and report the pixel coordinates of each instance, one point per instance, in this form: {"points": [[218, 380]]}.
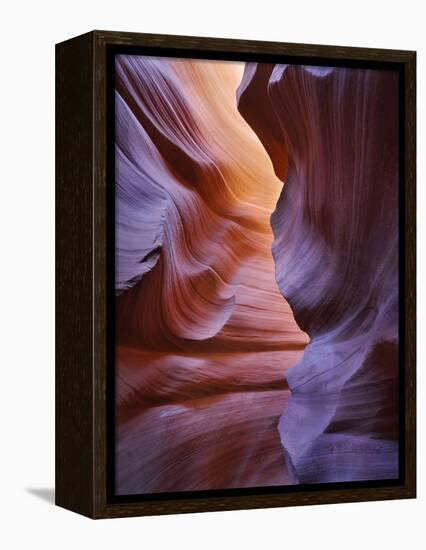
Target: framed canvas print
{"points": [[235, 251]]}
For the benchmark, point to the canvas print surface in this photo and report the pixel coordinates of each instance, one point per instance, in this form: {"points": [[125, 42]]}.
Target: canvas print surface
{"points": [[256, 274]]}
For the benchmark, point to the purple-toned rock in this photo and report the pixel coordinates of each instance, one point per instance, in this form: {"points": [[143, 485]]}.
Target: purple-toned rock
{"points": [[336, 255]]}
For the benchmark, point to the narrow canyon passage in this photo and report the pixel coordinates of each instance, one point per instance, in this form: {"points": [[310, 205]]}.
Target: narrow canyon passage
{"points": [[204, 336]]}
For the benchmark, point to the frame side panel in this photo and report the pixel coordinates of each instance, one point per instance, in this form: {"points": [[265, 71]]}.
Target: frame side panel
{"points": [[410, 275], [74, 275]]}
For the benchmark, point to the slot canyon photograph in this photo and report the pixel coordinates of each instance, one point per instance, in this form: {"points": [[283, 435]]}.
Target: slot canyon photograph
{"points": [[256, 289]]}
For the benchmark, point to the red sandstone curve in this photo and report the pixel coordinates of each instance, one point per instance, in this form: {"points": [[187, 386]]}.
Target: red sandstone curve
{"points": [[204, 337]]}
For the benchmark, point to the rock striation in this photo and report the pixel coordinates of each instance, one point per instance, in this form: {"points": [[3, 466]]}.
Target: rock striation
{"points": [[204, 336], [332, 136]]}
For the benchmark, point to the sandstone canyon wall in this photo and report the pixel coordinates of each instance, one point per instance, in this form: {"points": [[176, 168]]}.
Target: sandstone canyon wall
{"points": [[332, 135], [204, 336], [256, 274]]}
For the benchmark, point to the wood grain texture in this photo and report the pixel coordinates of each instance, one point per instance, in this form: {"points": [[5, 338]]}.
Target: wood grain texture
{"points": [[81, 249], [74, 276], [410, 272], [218, 504]]}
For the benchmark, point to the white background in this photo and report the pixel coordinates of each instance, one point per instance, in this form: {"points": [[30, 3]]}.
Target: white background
{"points": [[29, 31]]}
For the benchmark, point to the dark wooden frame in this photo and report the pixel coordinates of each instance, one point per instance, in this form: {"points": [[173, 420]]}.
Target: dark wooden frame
{"points": [[81, 256]]}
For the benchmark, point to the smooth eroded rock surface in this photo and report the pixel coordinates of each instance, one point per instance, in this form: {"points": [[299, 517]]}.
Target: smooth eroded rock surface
{"points": [[204, 336], [332, 135]]}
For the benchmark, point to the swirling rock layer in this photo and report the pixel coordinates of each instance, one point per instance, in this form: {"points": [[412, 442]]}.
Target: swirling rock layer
{"points": [[332, 134], [204, 337]]}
